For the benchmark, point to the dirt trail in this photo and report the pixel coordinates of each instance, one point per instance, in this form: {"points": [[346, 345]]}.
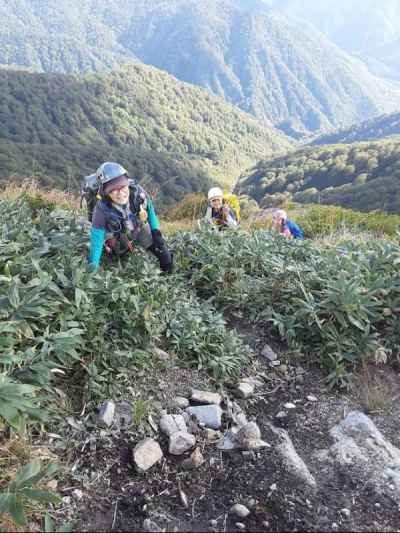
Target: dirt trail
{"points": [[121, 499]]}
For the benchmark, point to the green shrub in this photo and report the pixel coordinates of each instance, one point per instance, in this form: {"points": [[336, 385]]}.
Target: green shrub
{"points": [[339, 305], [317, 220]]}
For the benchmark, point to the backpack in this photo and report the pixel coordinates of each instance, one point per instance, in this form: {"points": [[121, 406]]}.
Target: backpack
{"points": [[233, 202], [91, 194]]}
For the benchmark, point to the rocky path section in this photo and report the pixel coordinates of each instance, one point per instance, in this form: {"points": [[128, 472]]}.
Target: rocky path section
{"points": [[274, 451]]}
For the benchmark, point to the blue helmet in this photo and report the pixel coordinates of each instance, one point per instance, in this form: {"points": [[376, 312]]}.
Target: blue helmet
{"points": [[109, 171]]}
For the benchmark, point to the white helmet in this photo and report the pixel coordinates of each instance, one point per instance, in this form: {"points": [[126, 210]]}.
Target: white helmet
{"points": [[280, 213], [215, 192]]}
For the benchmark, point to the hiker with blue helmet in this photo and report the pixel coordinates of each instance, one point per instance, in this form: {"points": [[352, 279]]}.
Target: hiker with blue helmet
{"points": [[123, 217], [286, 227]]}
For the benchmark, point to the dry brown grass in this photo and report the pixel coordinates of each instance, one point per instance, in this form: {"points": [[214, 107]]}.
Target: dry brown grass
{"points": [[373, 391], [169, 228], [13, 191]]}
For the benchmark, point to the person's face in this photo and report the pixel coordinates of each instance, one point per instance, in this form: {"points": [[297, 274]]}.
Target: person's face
{"points": [[277, 220], [120, 196], [216, 203]]}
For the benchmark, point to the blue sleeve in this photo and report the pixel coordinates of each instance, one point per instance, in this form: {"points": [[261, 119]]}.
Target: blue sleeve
{"points": [[97, 237], [152, 217]]}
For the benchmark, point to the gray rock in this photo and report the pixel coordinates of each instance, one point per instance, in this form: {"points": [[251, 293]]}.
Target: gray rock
{"points": [[106, 413], [170, 424], [180, 442], [253, 381], [291, 460], [281, 415], [363, 455], [275, 363], [289, 405], [205, 397], [149, 526], [164, 356], [269, 353], [181, 402], [123, 414], [209, 415], [212, 435], [147, 453], [244, 390], [345, 512], [247, 437], [240, 526], [312, 398], [239, 510]]}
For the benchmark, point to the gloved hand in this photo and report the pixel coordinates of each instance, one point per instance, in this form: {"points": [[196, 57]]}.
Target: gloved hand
{"points": [[143, 214], [158, 240]]}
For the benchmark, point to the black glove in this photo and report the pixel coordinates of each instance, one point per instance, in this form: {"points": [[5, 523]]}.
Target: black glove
{"points": [[158, 241]]}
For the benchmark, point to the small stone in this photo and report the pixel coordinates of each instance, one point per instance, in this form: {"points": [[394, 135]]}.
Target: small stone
{"points": [[250, 431], [66, 500], [164, 356], [106, 413], [244, 390], [312, 398], [252, 503], [147, 453], [345, 512], [195, 460], [212, 435], [209, 415], [273, 487], [281, 414], [265, 523], [335, 526], [289, 405], [253, 381], [52, 484], [213, 523], [170, 424], [180, 442], [239, 510], [205, 397], [269, 353], [248, 455], [240, 526], [378, 505], [275, 363], [149, 525], [78, 494], [282, 369], [180, 402]]}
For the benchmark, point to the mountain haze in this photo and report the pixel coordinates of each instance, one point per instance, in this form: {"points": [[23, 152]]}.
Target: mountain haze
{"points": [[277, 68], [170, 135], [369, 29]]}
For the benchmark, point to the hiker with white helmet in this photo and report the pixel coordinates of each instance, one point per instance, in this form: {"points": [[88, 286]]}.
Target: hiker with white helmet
{"points": [[218, 212], [286, 227], [122, 218]]}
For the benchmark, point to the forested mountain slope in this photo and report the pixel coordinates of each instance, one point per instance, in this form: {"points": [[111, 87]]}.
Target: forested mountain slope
{"points": [[169, 134], [362, 176], [376, 128], [279, 69]]}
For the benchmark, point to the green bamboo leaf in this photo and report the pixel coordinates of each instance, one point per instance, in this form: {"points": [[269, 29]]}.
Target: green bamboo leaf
{"points": [[17, 510], [41, 496], [27, 474], [48, 524]]}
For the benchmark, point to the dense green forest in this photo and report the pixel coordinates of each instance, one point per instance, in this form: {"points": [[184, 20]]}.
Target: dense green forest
{"points": [[278, 68], [170, 135], [383, 126], [362, 176]]}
